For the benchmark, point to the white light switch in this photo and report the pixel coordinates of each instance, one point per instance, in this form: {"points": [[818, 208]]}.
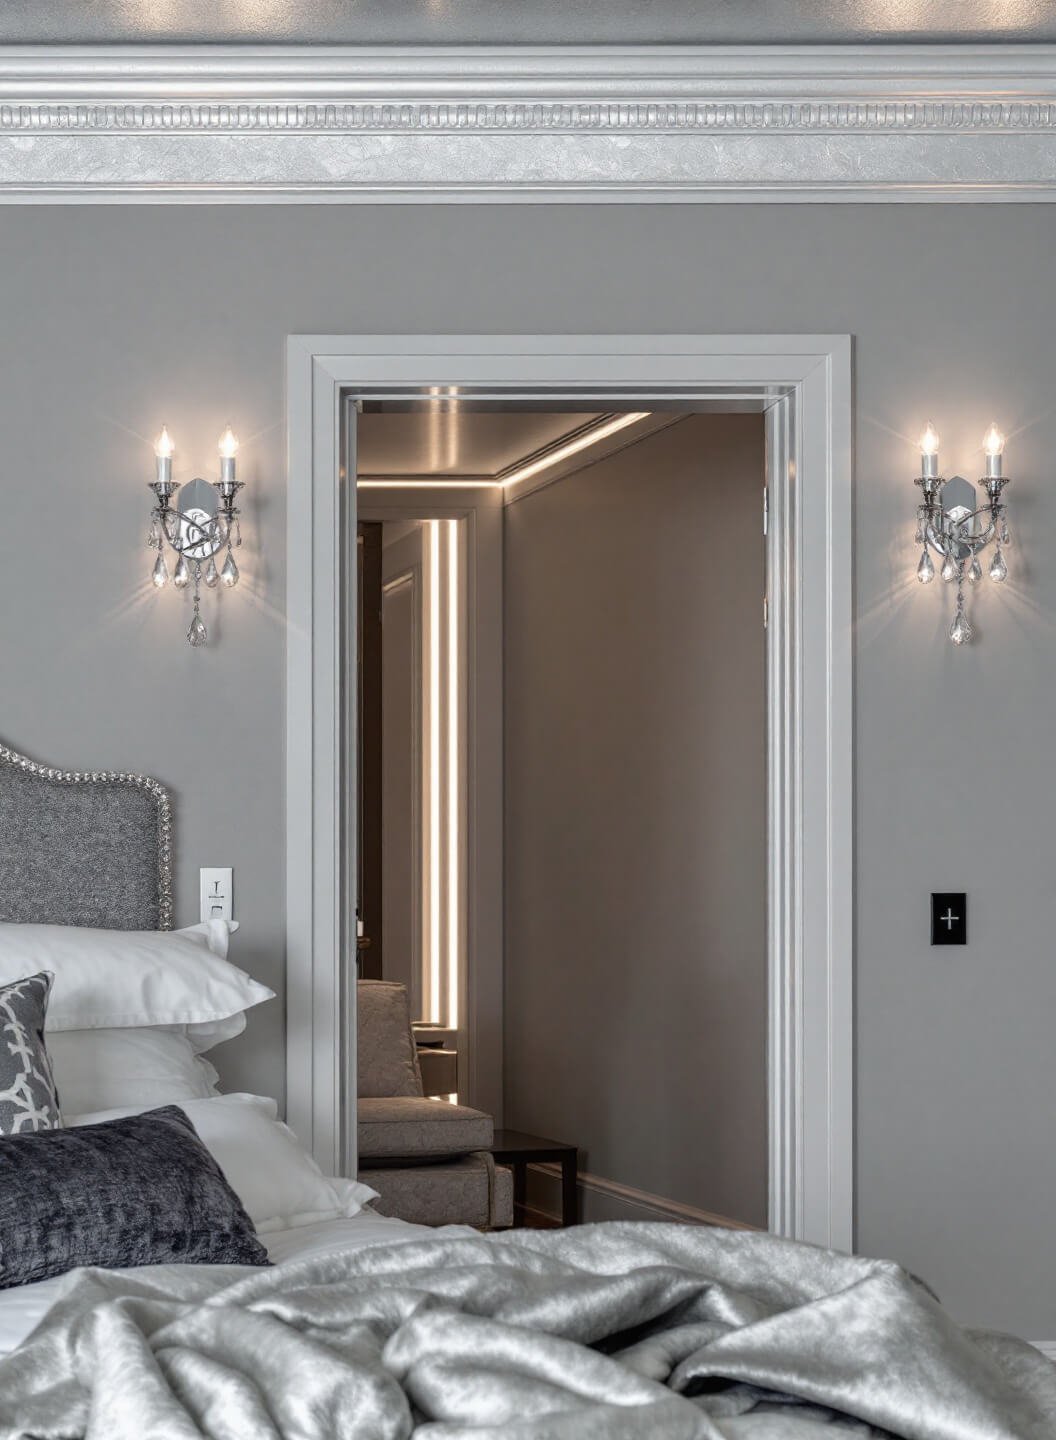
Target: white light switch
{"points": [[216, 894]]}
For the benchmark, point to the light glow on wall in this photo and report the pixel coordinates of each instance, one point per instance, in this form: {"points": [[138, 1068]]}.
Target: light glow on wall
{"points": [[454, 829], [433, 953], [443, 772]]}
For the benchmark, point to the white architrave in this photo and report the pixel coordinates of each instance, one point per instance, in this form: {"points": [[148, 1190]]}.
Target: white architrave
{"points": [[208, 123], [804, 383]]}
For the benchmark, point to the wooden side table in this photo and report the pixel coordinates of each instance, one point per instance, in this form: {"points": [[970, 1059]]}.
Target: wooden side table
{"points": [[519, 1150]]}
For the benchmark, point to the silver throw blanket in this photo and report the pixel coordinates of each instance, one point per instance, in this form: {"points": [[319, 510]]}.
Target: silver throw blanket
{"points": [[604, 1332]]}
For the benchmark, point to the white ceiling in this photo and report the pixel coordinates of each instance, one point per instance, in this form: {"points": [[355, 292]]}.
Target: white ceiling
{"points": [[539, 22]]}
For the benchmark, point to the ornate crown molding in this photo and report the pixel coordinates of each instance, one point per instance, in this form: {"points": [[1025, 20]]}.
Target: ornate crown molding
{"points": [[208, 123]]}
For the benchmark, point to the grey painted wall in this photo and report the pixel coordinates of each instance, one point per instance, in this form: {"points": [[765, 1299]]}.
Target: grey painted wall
{"points": [[115, 319], [470, 22], [635, 701]]}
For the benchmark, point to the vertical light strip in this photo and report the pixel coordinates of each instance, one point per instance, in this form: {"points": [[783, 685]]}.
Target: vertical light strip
{"points": [[434, 960], [453, 806]]}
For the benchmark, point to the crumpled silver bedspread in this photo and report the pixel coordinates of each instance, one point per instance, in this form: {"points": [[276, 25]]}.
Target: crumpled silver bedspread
{"points": [[617, 1331]]}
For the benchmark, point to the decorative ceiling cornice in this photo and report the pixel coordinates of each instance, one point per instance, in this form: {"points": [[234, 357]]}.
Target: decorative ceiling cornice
{"points": [[545, 117], [903, 122]]}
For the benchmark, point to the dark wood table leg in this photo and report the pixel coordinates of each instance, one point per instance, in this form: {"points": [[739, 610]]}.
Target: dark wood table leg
{"points": [[570, 1188], [520, 1186]]}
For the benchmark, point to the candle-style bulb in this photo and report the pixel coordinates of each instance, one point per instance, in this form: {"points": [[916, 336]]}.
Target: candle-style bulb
{"points": [[163, 448], [228, 450], [929, 453], [929, 441], [993, 444], [993, 441]]}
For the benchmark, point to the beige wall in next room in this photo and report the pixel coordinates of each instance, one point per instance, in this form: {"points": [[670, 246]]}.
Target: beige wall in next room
{"points": [[635, 838]]}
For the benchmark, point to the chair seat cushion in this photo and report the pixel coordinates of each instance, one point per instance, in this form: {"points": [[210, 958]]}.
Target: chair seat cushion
{"points": [[470, 1191], [406, 1127]]}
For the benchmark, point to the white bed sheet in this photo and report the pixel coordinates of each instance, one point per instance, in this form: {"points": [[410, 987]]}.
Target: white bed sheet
{"points": [[24, 1306]]}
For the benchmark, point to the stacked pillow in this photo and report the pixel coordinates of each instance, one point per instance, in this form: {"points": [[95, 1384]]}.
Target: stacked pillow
{"points": [[110, 1024], [131, 1011]]}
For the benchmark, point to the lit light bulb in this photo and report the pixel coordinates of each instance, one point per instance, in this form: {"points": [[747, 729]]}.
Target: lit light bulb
{"points": [[163, 448], [993, 441], [228, 450], [993, 444], [929, 441], [929, 453]]}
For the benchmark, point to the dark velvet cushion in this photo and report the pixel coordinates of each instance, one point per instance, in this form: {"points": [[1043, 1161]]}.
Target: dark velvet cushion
{"points": [[142, 1190]]}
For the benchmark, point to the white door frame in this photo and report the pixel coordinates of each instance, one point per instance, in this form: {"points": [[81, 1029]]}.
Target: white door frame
{"points": [[804, 384]]}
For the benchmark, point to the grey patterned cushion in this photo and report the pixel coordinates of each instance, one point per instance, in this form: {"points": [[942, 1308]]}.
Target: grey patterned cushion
{"points": [[27, 1090], [142, 1190]]}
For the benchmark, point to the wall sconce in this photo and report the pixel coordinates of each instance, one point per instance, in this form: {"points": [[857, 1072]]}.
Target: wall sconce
{"points": [[198, 529], [954, 527]]}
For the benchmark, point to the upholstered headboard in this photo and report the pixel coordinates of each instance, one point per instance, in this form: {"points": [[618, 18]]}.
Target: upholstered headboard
{"points": [[83, 847]]}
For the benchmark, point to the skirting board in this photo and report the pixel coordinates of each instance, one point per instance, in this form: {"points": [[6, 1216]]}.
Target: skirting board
{"points": [[602, 1199]]}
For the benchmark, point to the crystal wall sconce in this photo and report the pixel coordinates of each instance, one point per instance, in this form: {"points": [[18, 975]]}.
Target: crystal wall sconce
{"points": [[203, 523], [950, 523]]}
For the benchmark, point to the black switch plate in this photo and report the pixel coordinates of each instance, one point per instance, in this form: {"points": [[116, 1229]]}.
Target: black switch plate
{"points": [[949, 918]]}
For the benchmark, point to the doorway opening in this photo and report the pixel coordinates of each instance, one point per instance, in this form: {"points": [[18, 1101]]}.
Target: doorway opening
{"points": [[801, 385], [630, 689]]}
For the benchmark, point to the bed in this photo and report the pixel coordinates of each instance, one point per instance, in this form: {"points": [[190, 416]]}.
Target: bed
{"points": [[343, 1322]]}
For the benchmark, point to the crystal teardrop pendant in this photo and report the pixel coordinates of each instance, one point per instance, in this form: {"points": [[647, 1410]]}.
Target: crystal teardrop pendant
{"points": [[950, 569], [925, 570], [160, 573], [154, 536], [197, 634], [229, 574], [960, 630], [975, 571], [182, 577], [235, 534], [212, 574], [998, 568]]}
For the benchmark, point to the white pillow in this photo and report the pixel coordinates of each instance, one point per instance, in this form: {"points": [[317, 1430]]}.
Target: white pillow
{"points": [[101, 1069], [279, 1184], [109, 979]]}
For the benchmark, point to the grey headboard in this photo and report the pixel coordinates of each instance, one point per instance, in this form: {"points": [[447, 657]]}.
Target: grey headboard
{"points": [[83, 847]]}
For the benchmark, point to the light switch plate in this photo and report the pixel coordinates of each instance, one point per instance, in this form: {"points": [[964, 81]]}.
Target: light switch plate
{"points": [[216, 894], [949, 917]]}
